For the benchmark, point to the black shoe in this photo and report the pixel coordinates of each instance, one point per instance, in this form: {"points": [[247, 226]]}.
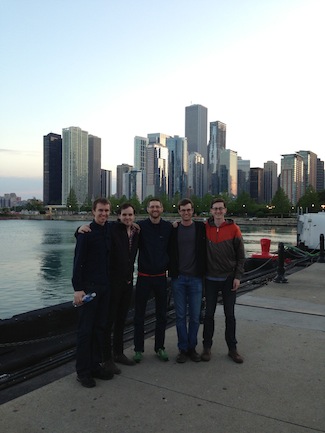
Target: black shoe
{"points": [[181, 357], [86, 381], [103, 374], [206, 355], [193, 355], [110, 366], [122, 359]]}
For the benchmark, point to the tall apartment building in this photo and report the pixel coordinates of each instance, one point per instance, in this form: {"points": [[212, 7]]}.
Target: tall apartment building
{"points": [[196, 125], [74, 163], [195, 174], [94, 167], [270, 180], [52, 169], [120, 171], [177, 166], [158, 138], [257, 184], [105, 183], [292, 176], [157, 170], [320, 184], [243, 173], [228, 172], [140, 146], [132, 185], [310, 168], [217, 143]]}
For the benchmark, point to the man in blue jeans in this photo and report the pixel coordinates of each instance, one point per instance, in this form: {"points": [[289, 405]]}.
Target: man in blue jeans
{"points": [[186, 269]]}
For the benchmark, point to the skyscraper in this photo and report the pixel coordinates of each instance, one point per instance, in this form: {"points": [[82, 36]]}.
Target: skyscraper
{"points": [[157, 170], [177, 166], [94, 167], [228, 172], [74, 163], [243, 172], [106, 183], [257, 184], [292, 176], [270, 180], [120, 170], [310, 168], [52, 169], [196, 124], [195, 174], [217, 143]]}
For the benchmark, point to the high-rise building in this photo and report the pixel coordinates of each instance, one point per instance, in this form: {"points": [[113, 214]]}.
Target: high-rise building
{"points": [[106, 183], [140, 145], [243, 172], [292, 176], [195, 174], [157, 170], [52, 169], [320, 185], [257, 184], [132, 185], [228, 172], [310, 168], [270, 180], [196, 125], [94, 167], [158, 138], [74, 163], [217, 143], [120, 171], [177, 166]]}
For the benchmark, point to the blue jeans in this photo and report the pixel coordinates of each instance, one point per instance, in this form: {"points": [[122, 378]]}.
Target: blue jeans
{"points": [[144, 287], [212, 289], [187, 291]]}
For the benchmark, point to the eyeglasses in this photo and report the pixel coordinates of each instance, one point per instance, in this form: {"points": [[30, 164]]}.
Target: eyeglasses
{"points": [[218, 208]]}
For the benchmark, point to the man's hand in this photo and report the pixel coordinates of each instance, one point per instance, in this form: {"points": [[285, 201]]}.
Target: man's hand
{"points": [[84, 229], [235, 285], [77, 297]]}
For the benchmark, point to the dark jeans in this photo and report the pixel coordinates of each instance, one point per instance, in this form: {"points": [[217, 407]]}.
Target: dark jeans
{"points": [[90, 333], [187, 293], [212, 288], [119, 305], [144, 287]]}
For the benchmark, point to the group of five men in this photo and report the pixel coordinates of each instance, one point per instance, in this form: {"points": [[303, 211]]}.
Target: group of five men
{"points": [[194, 253]]}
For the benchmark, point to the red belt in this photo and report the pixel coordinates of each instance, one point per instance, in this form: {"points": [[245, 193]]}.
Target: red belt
{"points": [[141, 274]]}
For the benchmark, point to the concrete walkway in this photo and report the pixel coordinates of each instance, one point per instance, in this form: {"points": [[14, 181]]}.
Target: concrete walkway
{"points": [[279, 388]]}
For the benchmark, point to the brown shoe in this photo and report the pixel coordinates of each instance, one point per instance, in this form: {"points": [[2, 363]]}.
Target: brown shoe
{"points": [[234, 355], [206, 355]]}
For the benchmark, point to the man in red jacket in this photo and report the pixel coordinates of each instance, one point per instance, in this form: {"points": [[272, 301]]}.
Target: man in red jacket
{"points": [[225, 267]]}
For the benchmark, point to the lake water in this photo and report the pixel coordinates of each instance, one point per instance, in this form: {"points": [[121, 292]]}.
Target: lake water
{"points": [[36, 260]]}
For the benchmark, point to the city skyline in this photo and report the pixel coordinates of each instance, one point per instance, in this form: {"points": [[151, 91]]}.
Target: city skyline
{"points": [[256, 66]]}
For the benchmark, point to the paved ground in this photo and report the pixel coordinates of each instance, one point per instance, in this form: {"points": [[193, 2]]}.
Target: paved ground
{"points": [[279, 388]]}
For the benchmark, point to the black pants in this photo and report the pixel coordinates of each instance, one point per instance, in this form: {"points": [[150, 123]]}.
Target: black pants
{"points": [[90, 333], [212, 289], [120, 300]]}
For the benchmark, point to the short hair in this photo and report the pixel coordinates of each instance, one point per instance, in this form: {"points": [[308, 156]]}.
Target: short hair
{"points": [[101, 200], [125, 206], [154, 199], [218, 200], [184, 202]]}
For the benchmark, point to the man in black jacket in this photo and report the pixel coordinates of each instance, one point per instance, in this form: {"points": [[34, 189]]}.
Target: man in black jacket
{"points": [[187, 269], [91, 275]]}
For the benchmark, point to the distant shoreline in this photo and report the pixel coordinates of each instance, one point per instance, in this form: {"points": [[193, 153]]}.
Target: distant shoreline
{"points": [[289, 222]]}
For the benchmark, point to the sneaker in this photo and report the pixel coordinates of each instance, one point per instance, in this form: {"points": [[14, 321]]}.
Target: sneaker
{"points": [[181, 357], [86, 381], [138, 357], [193, 355], [234, 355], [162, 355], [102, 373], [112, 367], [206, 355], [122, 359]]}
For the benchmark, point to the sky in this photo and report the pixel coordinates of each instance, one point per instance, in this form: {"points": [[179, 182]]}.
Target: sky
{"points": [[118, 69]]}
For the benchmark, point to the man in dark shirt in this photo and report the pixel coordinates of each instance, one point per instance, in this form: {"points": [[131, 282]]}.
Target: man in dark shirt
{"points": [[187, 269], [152, 266], [91, 275]]}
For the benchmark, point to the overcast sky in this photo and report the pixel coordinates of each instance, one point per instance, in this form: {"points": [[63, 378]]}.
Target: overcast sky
{"points": [[123, 68]]}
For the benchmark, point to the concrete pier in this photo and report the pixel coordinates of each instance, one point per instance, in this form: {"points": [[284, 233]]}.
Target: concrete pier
{"points": [[280, 387]]}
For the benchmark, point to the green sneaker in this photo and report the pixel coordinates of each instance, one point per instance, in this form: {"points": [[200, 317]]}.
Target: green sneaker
{"points": [[162, 355], [138, 357]]}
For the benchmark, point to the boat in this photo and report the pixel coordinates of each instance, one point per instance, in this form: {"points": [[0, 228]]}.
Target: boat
{"points": [[310, 227]]}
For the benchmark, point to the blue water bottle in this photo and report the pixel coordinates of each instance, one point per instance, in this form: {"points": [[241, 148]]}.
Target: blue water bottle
{"points": [[87, 298]]}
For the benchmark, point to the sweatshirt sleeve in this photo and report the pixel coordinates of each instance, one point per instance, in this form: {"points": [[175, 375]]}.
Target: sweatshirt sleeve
{"points": [[79, 262]]}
